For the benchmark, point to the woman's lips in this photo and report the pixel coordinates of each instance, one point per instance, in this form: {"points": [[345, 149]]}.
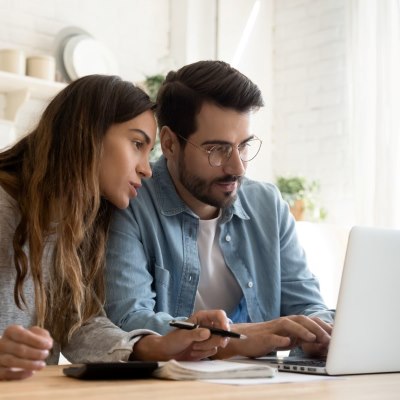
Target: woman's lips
{"points": [[133, 188]]}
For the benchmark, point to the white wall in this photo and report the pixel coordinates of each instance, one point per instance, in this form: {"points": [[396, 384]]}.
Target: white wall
{"points": [[137, 32], [295, 52], [245, 41], [309, 120]]}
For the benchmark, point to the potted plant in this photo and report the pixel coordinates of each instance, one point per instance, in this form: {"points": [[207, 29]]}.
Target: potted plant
{"points": [[301, 196], [151, 85]]}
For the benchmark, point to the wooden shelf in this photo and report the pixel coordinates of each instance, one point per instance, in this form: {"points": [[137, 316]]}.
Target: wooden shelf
{"points": [[17, 89]]}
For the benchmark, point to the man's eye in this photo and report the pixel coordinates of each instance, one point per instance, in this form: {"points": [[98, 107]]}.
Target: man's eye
{"points": [[222, 149]]}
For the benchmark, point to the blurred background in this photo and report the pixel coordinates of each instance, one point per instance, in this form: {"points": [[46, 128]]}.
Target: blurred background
{"points": [[328, 69]]}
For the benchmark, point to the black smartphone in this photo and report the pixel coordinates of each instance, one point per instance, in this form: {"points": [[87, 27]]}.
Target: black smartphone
{"points": [[112, 370]]}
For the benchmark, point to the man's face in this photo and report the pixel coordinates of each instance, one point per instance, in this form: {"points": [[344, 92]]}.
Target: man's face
{"points": [[203, 187]]}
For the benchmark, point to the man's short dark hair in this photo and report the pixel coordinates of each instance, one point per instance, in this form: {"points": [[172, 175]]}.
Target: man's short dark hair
{"points": [[183, 93]]}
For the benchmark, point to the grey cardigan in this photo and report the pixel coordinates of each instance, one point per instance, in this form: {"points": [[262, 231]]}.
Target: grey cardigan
{"points": [[98, 340]]}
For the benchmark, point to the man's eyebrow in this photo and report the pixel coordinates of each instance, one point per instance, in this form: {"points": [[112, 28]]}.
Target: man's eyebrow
{"points": [[208, 142], [143, 133]]}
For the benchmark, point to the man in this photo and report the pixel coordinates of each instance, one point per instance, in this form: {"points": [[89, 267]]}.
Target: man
{"points": [[202, 236]]}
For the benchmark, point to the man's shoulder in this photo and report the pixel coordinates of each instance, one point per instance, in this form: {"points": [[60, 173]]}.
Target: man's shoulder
{"points": [[257, 190], [260, 198]]}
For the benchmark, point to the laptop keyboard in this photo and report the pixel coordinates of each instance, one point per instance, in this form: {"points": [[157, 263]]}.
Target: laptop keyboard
{"points": [[306, 363]]}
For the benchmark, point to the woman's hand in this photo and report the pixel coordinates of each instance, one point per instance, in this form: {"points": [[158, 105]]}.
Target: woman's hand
{"points": [[182, 344], [23, 351]]}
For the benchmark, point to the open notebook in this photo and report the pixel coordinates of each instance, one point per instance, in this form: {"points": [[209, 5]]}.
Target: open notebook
{"points": [[365, 336], [182, 370]]}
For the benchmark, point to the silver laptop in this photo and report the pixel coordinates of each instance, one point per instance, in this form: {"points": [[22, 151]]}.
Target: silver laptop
{"points": [[365, 337]]}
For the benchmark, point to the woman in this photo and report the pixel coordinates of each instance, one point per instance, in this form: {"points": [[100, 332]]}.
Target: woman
{"points": [[58, 186]]}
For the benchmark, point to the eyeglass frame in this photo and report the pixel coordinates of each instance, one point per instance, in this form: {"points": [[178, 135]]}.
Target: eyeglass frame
{"points": [[210, 151]]}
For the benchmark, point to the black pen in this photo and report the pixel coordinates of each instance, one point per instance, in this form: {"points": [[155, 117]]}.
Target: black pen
{"points": [[214, 331]]}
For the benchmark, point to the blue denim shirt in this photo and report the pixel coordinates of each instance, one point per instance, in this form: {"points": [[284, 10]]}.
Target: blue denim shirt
{"points": [[153, 265]]}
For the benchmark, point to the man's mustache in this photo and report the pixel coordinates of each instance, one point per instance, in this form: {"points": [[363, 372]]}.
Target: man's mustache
{"points": [[229, 178]]}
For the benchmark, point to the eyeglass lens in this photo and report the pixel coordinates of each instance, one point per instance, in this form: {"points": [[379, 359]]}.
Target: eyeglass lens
{"points": [[247, 151]]}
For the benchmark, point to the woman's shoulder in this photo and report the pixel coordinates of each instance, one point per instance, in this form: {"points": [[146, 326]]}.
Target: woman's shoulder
{"points": [[7, 202], [9, 214]]}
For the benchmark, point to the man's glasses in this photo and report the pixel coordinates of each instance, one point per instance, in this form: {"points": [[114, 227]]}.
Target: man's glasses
{"points": [[219, 154]]}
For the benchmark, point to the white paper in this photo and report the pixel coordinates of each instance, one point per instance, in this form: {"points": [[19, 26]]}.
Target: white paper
{"points": [[280, 377]]}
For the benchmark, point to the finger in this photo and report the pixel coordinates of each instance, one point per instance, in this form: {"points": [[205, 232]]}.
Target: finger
{"points": [[10, 375], [180, 340], [288, 326], [324, 325], [19, 334], [41, 332], [315, 349], [201, 355], [22, 351], [11, 361], [318, 327], [215, 318], [304, 328], [274, 342], [187, 338], [213, 342]]}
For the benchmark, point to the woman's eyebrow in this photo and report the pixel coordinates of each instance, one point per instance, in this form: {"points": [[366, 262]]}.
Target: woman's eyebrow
{"points": [[143, 133]]}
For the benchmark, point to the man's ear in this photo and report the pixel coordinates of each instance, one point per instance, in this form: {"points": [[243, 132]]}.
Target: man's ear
{"points": [[168, 141]]}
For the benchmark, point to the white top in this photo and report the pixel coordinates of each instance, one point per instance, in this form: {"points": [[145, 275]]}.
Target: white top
{"points": [[218, 288]]}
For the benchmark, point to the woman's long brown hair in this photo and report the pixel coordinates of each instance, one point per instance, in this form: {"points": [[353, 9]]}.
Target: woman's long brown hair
{"points": [[53, 174]]}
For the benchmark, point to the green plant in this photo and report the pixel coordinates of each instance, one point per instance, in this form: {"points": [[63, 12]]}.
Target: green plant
{"points": [[298, 188], [152, 85]]}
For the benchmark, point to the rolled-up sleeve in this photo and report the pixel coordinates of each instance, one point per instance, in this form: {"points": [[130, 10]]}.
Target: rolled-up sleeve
{"points": [[99, 340]]}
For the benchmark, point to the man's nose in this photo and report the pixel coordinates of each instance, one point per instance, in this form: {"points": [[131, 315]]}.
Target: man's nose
{"points": [[235, 165]]}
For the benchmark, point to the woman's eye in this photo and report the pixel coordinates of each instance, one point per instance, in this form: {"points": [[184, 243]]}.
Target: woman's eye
{"points": [[138, 144]]}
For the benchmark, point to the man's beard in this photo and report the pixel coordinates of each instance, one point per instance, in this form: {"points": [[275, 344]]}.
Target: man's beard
{"points": [[200, 189]]}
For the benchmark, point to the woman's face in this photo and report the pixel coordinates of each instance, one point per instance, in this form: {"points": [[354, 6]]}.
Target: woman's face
{"points": [[125, 158]]}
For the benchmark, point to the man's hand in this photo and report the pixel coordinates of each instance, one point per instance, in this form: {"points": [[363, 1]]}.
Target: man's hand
{"points": [[285, 333], [182, 344], [23, 351]]}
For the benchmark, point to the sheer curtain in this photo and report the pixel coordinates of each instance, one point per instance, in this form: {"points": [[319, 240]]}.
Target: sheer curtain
{"points": [[374, 109]]}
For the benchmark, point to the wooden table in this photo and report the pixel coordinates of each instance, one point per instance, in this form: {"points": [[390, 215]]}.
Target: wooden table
{"points": [[51, 384]]}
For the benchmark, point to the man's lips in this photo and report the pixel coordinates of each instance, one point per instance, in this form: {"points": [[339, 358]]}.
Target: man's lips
{"points": [[228, 183], [228, 186]]}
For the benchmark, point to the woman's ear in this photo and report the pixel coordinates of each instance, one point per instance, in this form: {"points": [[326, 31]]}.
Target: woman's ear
{"points": [[168, 142]]}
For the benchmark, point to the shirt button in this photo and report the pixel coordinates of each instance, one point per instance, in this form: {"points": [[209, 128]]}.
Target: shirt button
{"points": [[250, 284], [190, 278], [228, 238]]}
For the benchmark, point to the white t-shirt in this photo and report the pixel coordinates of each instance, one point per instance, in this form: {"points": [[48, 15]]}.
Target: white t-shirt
{"points": [[218, 288]]}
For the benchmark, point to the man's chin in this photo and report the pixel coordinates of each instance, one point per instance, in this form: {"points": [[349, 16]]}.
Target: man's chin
{"points": [[229, 199]]}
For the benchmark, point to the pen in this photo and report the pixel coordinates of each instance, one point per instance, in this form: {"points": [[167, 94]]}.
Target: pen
{"points": [[214, 331]]}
